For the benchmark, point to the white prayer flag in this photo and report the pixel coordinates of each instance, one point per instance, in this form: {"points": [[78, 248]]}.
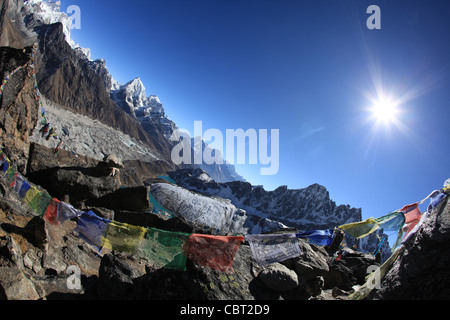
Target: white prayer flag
{"points": [[271, 248]]}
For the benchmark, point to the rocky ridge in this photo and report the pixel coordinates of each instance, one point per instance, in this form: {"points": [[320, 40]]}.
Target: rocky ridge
{"points": [[36, 257]]}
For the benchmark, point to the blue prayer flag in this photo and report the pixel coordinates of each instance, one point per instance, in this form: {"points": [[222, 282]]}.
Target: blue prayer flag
{"points": [[318, 237], [92, 228]]}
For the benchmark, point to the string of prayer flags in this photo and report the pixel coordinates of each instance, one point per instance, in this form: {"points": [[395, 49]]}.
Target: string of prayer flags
{"points": [[165, 248], [123, 237], [216, 252], [91, 228], [318, 237], [392, 221], [271, 248], [361, 229]]}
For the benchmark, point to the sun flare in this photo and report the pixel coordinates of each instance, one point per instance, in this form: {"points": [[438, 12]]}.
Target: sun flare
{"points": [[384, 110]]}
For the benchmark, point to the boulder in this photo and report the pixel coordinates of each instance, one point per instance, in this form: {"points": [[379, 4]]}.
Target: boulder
{"points": [[81, 184], [129, 199], [279, 278], [113, 161], [421, 271], [313, 261]]}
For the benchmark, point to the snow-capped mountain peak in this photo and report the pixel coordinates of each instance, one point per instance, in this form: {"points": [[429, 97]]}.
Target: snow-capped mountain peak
{"points": [[136, 88], [48, 12]]}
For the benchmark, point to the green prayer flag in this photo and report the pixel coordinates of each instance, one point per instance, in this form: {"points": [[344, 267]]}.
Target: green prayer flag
{"points": [[123, 237], [38, 201], [164, 248], [392, 221], [361, 229]]}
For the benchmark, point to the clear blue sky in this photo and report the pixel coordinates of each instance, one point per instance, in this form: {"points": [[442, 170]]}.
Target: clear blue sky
{"points": [[305, 67]]}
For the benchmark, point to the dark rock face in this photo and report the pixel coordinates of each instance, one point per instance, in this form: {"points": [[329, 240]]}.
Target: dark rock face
{"points": [[18, 105], [132, 199], [421, 271]]}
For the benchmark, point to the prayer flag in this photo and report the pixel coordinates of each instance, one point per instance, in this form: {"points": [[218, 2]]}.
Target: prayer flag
{"points": [[39, 203], [361, 229], [434, 201], [67, 212], [271, 248], [10, 174], [51, 215], [123, 237], [412, 216], [17, 183], [216, 252], [164, 248], [91, 228], [392, 221], [2, 158], [24, 189], [31, 193], [318, 237]]}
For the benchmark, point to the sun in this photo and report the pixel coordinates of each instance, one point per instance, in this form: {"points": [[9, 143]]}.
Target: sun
{"points": [[384, 110]]}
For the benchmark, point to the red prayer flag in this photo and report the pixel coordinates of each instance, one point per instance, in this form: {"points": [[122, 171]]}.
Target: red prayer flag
{"points": [[51, 215], [412, 216], [216, 252]]}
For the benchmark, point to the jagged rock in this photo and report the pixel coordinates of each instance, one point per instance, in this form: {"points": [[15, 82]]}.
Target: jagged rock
{"points": [[351, 269], [279, 278], [16, 286], [314, 286], [421, 271], [32, 261], [116, 277], [81, 184], [340, 277], [113, 161], [34, 232], [134, 199], [11, 250], [313, 261], [18, 105]]}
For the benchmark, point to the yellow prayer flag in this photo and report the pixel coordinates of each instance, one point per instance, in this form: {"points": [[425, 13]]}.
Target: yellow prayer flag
{"points": [[361, 229], [123, 237], [32, 192]]}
